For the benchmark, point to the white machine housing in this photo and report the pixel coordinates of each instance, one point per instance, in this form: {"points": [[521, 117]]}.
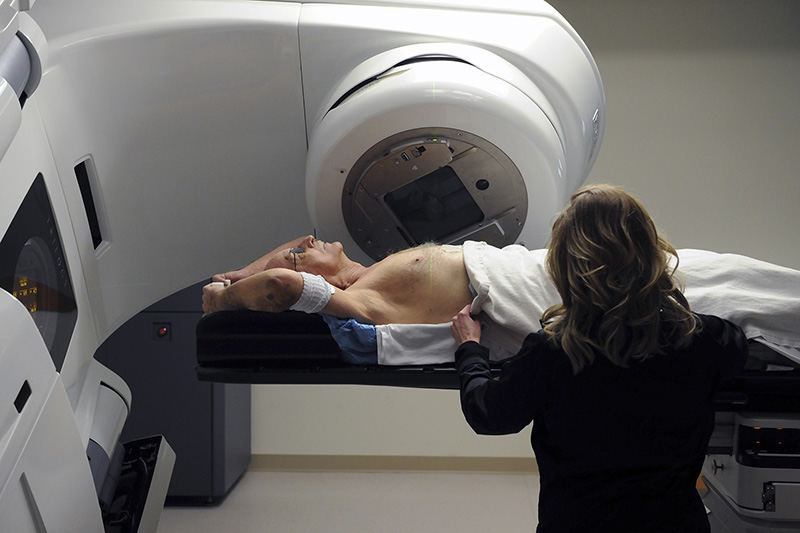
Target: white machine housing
{"points": [[522, 135], [165, 140]]}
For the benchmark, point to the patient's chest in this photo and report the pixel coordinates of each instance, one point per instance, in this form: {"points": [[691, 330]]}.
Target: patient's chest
{"points": [[426, 284]]}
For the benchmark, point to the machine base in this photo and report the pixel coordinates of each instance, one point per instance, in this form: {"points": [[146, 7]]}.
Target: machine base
{"points": [[725, 519], [143, 482]]}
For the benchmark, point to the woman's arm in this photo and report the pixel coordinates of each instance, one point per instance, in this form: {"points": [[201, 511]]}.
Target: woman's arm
{"points": [[730, 341], [495, 406], [491, 406]]}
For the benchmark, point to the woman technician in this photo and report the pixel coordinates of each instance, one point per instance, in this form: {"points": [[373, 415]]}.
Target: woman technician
{"points": [[618, 384]]}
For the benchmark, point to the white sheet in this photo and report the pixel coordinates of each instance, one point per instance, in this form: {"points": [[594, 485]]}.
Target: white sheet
{"points": [[514, 290], [431, 344]]}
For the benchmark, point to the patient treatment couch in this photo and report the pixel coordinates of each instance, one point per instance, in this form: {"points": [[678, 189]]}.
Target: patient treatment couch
{"points": [[297, 348], [294, 347]]}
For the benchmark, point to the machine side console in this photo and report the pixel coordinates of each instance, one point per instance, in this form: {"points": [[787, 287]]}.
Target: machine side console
{"points": [[768, 383]]}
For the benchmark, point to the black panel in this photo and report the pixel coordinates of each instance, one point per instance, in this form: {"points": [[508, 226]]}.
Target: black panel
{"points": [[286, 340], [434, 206], [33, 269]]}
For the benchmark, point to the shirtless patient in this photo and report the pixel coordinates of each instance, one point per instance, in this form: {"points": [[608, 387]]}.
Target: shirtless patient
{"points": [[427, 284], [430, 284]]}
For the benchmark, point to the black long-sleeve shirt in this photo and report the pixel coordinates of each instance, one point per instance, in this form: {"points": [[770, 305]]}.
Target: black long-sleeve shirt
{"points": [[618, 449]]}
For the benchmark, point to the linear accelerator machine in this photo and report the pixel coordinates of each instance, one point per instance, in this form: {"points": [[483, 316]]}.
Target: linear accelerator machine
{"points": [[147, 144]]}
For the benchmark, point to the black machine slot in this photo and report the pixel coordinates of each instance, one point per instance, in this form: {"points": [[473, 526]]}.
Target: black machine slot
{"points": [[22, 396], [82, 171]]}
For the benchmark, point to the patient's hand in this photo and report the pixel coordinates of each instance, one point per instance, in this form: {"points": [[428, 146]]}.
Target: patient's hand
{"points": [[235, 275], [273, 259], [213, 298]]}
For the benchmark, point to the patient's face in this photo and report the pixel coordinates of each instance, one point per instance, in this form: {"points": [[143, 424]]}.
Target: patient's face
{"points": [[317, 257]]}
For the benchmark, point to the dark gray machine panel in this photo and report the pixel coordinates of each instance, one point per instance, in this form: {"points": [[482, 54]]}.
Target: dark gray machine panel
{"points": [[207, 424]]}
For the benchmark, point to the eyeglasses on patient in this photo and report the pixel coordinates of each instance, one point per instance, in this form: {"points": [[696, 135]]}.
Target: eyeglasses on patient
{"points": [[294, 252]]}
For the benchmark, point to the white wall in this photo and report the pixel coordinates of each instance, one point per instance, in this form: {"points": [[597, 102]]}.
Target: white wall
{"points": [[703, 126]]}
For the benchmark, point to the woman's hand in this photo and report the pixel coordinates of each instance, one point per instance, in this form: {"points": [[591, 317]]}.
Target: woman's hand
{"points": [[464, 327]]}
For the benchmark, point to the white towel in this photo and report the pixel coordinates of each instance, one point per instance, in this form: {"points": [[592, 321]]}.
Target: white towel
{"points": [[513, 290], [432, 344]]}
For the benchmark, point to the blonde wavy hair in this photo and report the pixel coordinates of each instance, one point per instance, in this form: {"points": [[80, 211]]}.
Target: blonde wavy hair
{"points": [[619, 296]]}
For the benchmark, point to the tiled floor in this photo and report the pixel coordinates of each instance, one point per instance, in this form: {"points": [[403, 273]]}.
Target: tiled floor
{"points": [[363, 502]]}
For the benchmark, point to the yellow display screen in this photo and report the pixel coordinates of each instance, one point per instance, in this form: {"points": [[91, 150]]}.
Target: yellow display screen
{"points": [[27, 292]]}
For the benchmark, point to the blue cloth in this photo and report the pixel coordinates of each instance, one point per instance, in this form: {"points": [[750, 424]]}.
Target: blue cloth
{"points": [[358, 342]]}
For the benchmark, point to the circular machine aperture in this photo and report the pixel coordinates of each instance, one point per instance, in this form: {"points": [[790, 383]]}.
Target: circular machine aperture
{"points": [[433, 185]]}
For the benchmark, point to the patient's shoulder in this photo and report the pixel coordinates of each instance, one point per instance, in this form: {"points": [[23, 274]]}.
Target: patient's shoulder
{"points": [[352, 302]]}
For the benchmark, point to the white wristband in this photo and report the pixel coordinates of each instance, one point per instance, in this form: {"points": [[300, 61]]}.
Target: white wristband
{"points": [[316, 294]]}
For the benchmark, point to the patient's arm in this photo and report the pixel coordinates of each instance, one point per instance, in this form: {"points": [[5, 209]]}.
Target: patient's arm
{"points": [[272, 290], [262, 263], [277, 289]]}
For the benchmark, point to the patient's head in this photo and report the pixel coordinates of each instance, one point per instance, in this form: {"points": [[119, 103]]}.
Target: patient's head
{"points": [[610, 268], [313, 256]]}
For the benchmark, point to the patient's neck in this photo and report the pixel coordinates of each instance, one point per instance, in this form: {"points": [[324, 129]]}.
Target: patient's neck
{"points": [[349, 272]]}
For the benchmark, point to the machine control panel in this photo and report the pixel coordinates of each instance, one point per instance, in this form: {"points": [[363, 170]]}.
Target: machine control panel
{"points": [[33, 269]]}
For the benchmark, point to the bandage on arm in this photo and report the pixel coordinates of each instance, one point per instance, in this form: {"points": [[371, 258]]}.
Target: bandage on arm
{"points": [[315, 296]]}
